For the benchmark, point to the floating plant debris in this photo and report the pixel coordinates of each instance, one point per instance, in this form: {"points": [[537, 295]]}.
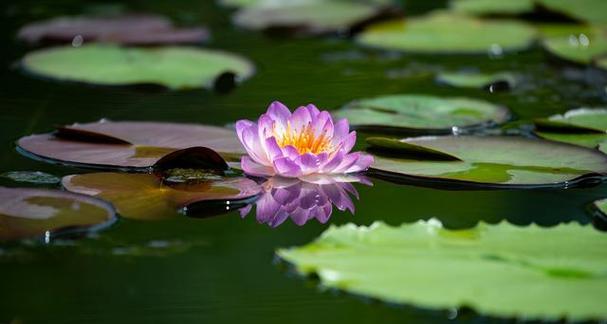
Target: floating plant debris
{"points": [[36, 177], [148, 197], [39, 213], [442, 32], [123, 29], [172, 67], [492, 82], [492, 161], [136, 145], [421, 113], [307, 17], [583, 126], [498, 270]]}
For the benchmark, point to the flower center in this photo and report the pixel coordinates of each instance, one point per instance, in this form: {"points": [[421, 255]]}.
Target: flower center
{"points": [[304, 141]]}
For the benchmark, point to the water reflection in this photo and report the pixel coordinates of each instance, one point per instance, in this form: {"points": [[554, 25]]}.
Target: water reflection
{"points": [[303, 200]]}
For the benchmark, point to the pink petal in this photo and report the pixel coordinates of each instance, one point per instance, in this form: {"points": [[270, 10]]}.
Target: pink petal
{"points": [[286, 168], [253, 168], [363, 163], [300, 118], [279, 112]]}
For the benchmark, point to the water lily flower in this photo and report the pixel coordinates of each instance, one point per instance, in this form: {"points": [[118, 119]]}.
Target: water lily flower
{"points": [[299, 144], [302, 201]]}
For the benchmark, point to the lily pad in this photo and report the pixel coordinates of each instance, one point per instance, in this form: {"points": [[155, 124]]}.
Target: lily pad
{"points": [[490, 81], [126, 145], [441, 32], [592, 120], [492, 7], [422, 114], [494, 161], [498, 270], [309, 17], [171, 67], [592, 140], [30, 213], [122, 29], [592, 11], [601, 206], [146, 197], [578, 44]]}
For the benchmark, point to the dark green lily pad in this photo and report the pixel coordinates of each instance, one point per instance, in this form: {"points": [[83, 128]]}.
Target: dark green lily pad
{"points": [[147, 197], [38, 213], [494, 161], [422, 114], [492, 7], [309, 17], [171, 67], [578, 44], [136, 146], [499, 270], [592, 11], [490, 81], [441, 32]]}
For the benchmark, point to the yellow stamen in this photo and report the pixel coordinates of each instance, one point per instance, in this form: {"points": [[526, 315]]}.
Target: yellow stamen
{"points": [[304, 141]]}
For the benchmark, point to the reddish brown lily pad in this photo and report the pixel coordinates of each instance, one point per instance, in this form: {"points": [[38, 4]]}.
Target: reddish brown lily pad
{"points": [[146, 197], [127, 145], [26, 213], [123, 29]]}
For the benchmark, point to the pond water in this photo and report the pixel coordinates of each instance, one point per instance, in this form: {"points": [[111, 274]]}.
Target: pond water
{"points": [[223, 269]]}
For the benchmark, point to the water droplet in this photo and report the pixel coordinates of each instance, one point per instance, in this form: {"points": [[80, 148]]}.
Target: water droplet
{"points": [[77, 41], [584, 40], [495, 51]]}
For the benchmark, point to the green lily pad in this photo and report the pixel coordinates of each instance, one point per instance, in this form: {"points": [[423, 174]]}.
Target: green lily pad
{"points": [[449, 33], [579, 44], [581, 119], [421, 113], [172, 67], [593, 140], [490, 81], [31, 213], [592, 11], [498, 270], [492, 7], [494, 161], [147, 197], [310, 17]]}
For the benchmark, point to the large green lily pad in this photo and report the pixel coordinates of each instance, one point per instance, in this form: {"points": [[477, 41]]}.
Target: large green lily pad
{"points": [[172, 67], [449, 33], [40, 213], [498, 270], [590, 140], [493, 161], [310, 17], [579, 44], [492, 7], [146, 197], [421, 113]]}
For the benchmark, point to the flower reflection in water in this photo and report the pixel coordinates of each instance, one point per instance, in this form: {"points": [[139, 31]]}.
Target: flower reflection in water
{"points": [[302, 200]]}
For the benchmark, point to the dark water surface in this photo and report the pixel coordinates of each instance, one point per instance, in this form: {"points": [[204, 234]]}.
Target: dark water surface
{"points": [[222, 269]]}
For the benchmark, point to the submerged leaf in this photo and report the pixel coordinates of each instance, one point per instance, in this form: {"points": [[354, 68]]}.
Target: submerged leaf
{"points": [[494, 161], [172, 67], [449, 33], [498, 270], [31, 177], [123, 29], [421, 113], [28, 213], [146, 197], [138, 145], [492, 82]]}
